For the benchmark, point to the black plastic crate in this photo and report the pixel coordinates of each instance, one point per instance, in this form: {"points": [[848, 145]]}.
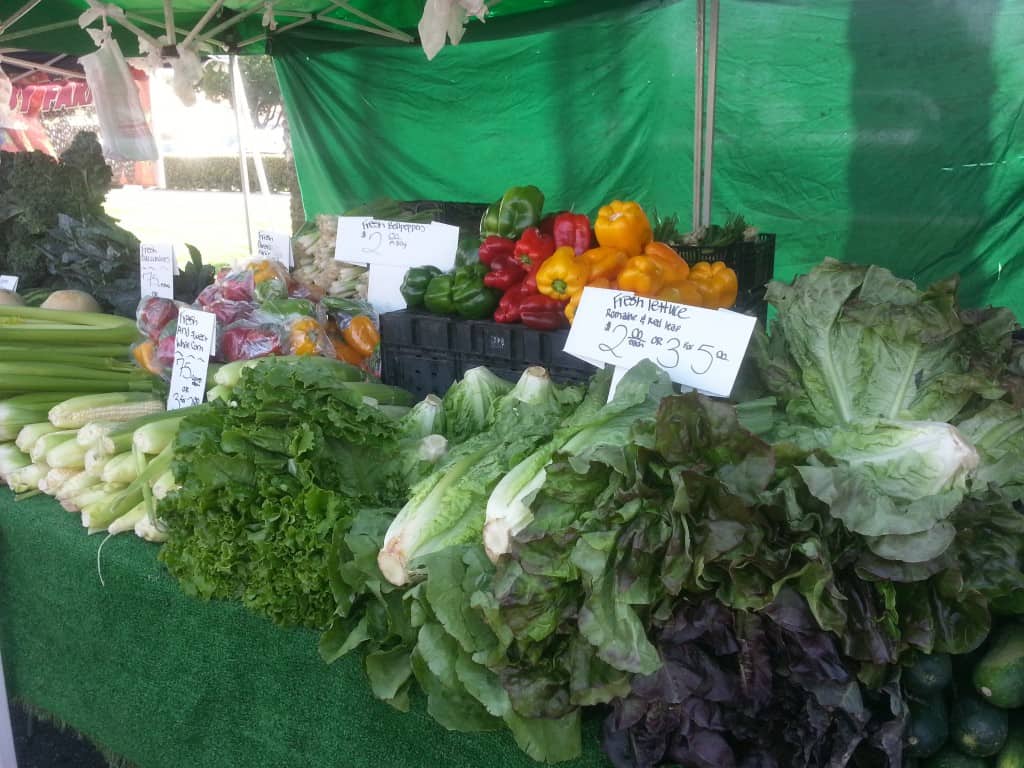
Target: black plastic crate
{"points": [[753, 262], [419, 372], [425, 353]]}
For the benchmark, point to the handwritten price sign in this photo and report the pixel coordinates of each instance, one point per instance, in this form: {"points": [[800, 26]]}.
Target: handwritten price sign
{"points": [[275, 246], [389, 248], [193, 347], [363, 240], [699, 348], [156, 269]]}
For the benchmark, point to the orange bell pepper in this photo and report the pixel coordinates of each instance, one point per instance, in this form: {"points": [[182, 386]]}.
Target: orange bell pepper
{"points": [[716, 282], [563, 275], [682, 292], [673, 265], [624, 226], [361, 335], [605, 263], [345, 353], [643, 276], [574, 302], [145, 356]]}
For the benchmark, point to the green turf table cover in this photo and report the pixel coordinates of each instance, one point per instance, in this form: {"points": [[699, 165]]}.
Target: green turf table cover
{"points": [[167, 681]]}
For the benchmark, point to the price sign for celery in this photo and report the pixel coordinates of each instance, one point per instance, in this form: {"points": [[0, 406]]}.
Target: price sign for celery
{"points": [[193, 347], [362, 240], [156, 269], [699, 348], [9, 282], [275, 246]]}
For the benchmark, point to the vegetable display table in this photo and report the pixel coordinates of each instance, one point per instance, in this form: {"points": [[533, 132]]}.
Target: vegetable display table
{"points": [[166, 680]]}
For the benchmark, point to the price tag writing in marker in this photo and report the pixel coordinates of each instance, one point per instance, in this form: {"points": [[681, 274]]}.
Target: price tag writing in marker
{"points": [[275, 246], [193, 347], [156, 269], [699, 348]]}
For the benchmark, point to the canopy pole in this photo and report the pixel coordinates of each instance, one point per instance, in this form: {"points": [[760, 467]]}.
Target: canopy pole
{"points": [[709, 128], [402, 38], [210, 13], [243, 163], [236, 19], [172, 33], [5, 38], [18, 14], [49, 63], [246, 123], [345, 5], [7, 757], [32, 66], [698, 115]]}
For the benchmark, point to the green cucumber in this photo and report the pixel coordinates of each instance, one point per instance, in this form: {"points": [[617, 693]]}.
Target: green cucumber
{"points": [[999, 676], [928, 728], [950, 758], [978, 728], [1012, 755], [929, 674]]}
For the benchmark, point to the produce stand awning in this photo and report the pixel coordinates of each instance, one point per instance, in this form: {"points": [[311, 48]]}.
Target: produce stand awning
{"points": [[52, 25], [838, 126], [165, 680]]}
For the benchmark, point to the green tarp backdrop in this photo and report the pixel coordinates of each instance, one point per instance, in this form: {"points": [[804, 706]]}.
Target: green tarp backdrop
{"points": [[870, 130]]}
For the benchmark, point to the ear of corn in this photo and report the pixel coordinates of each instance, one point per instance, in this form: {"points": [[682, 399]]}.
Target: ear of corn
{"points": [[110, 407]]}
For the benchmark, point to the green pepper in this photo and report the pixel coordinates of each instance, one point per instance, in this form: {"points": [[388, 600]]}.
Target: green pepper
{"points": [[469, 250], [275, 288], [414, 286], [438, 296], [285, 307], [517, 210], [473, 300]]}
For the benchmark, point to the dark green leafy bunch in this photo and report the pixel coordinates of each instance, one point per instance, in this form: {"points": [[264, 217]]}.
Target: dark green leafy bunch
{"points": [[264, 482], [752, 688], [35, 189]]}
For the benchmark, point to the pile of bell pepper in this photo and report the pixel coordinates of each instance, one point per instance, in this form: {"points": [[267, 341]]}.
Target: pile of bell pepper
{"points": [[533, 270]]}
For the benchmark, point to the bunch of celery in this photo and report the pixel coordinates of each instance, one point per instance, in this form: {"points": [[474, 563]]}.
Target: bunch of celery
{"points": [[47, 350]]}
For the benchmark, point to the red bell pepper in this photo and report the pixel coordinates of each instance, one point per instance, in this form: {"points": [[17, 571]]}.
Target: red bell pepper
{"points": [[506, 271], [542, 313], [496, 247], [533, 248], [508, 307], [573, 230]]}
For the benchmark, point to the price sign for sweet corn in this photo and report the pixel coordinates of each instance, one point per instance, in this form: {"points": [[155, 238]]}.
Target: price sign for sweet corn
{"points": [[699, 348], [193, 348]]}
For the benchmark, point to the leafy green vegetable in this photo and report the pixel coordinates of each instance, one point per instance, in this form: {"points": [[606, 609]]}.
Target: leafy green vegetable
{"points": [[752, 688], [265, 481], [468, 402], [447, 508]]}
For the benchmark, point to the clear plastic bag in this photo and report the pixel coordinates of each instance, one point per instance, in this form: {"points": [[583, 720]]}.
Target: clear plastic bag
{"points": [[123, 126]]}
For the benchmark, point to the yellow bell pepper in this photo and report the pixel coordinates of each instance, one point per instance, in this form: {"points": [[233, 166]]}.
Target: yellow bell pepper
{"points": [[263, 271], [717, 284], [643, 276], [673, 265], [574, 302], [304, 335], [563, 275], [624, 226], [605, 263]]}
